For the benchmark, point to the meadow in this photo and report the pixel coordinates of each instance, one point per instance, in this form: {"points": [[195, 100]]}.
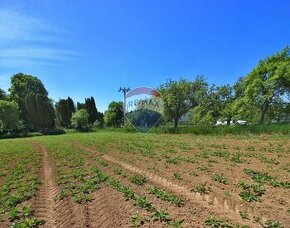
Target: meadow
{"points": [[107, 179]]}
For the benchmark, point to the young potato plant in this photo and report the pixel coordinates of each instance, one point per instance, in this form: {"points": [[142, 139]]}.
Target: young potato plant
{"points": [[137, 220], [166, 196], [139, 180], [202, 188], [272, 224], [19, 166], [177, 176], [220, 178], [251, 192], [76, 178], [176, 224], [139, 201], [173, 160], [263, 178], [214, 221]]}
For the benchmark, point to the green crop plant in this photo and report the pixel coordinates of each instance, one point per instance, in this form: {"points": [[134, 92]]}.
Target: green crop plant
{"points": [[174, 160], [161, 216], [166, 196], [139, 180], [273, 224], [202, 188], [251, 192], [137, 220], [220, 178], [177, 176], [263, 178]]}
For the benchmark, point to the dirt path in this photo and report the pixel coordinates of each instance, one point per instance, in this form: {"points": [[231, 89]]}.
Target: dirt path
{"points": [[220, 208], [54, 213]]}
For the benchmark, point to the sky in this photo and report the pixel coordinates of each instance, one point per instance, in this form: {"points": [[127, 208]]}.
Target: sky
{"points": [[92, 47]]}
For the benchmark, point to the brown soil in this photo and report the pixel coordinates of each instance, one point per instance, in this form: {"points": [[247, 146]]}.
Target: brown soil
{"points": [[211, 204], [274, 203], [107, 210], [55, 213]]}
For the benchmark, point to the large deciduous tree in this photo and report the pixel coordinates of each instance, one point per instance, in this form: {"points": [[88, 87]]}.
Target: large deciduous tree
{"points": [[114, 116], [39, 111], [269, 81], [9, 116], [36, 108], [21, 86], [181, 96], [2, 94]]}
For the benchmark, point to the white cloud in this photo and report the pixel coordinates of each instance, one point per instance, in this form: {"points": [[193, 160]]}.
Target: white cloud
{"points": [[32, 39], [32, 53], [15, 26]]}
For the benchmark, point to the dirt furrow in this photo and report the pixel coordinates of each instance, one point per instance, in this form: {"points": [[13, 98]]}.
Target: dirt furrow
{"points": [[54, 213], [99, 214]]}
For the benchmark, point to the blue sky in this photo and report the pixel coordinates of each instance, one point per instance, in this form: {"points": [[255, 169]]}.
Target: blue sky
{"points": [[92, 47]]}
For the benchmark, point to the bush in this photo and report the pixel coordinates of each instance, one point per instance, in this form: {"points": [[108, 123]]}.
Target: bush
{"points": [[55, 131], [33, 134], [80, 120], [224, 130]]}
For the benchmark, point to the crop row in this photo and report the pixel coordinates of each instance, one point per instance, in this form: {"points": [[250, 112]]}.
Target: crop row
{"points": [[19, 170]]}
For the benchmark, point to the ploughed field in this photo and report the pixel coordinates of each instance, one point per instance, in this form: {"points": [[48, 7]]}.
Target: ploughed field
{"points": [[110, 179]]}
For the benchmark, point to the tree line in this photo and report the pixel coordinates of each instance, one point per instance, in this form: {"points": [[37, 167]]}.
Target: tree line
{"points": [[262, 96], [27, 107]]}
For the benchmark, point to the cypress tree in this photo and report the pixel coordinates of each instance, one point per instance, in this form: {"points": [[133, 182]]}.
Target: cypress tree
{"points": [[80, 106], [65, 108], [90, 106]]}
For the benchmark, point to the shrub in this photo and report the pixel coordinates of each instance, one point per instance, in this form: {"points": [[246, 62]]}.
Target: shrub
{"points": [[80, 120]]}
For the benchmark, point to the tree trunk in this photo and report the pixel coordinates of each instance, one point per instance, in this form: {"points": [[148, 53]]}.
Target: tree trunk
{"points": [[263, 112], [229, 121], [176, 122], [262, 117]]}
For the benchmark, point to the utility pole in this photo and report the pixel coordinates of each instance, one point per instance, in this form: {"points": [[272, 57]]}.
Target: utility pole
{"points": [[124, 90]]}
